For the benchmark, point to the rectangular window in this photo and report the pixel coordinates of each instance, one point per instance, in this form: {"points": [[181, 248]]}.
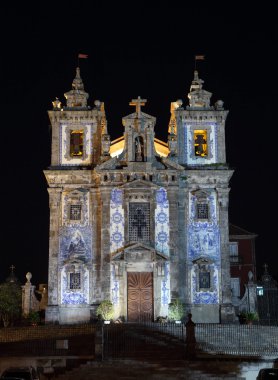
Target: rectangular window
{"points": [[139, 222], [233, 249], [75, 212], [200, 142], [75, 281], [204, 280], [76, 143], [202, 211], [235, 286]]}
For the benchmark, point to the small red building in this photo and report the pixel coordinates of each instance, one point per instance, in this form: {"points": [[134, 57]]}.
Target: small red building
{"points": [[242, 258]]}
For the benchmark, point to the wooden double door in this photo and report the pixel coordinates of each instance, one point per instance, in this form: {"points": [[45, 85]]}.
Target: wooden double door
{"points": [[139, 296]]}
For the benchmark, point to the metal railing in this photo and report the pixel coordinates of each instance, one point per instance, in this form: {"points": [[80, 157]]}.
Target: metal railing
{"points": [[240, 340], [54, 340]]}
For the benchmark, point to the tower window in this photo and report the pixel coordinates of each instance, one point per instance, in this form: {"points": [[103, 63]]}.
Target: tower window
{"points": [[200, 143], [76, 143], [75, 281], [75, 212], [139, 221], [202, 211]]}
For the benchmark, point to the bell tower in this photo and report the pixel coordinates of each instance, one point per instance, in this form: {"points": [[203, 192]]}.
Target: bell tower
{"points": [[79, 141], [199, 129], [197, 142]]}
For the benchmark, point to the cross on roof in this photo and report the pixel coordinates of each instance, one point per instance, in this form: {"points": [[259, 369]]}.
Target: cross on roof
{"points": [[12, 267], [138, 103]]}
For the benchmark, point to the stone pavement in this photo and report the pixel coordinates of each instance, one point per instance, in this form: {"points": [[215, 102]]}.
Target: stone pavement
{"points": [[207, 368], [213, 369]]}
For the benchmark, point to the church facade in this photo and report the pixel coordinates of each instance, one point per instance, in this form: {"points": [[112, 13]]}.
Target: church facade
{"points": [[138, 221]]}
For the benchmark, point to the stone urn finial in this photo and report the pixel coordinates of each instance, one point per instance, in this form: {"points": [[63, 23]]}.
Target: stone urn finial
{"points": [[28, 276]]}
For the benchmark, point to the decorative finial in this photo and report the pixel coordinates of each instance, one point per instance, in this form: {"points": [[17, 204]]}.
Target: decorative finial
{"points": [[77, 83], [56, 103], [196, 76], [28, 276], [179, 103]]}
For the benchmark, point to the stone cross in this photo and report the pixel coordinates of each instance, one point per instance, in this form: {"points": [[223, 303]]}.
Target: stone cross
{"points": [[138, 103], [12, 267]]}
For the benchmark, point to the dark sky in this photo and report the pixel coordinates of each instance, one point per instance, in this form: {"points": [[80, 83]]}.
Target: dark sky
{"points": [[145, 50]]}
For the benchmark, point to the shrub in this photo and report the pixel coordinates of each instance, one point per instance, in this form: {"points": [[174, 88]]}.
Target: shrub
{"points": [[176, 310], [34, 317], [105, 310], [250, 316]]}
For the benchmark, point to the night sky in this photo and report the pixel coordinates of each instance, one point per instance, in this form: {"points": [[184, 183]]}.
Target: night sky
{"points": [[145, 50]]}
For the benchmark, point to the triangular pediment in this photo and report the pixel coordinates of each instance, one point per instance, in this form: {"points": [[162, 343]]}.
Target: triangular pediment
{"points": [[203, 260], [143, 116], [201, 194], [79, 192], [140, 184], [138, 252]]}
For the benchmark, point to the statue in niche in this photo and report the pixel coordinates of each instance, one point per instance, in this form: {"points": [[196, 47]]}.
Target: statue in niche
{"points": [[77, 246], [138, 148]]}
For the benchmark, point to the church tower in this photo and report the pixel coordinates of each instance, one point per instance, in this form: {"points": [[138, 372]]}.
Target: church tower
{"points": [[197, 142], [139, 228], [79, 143]]}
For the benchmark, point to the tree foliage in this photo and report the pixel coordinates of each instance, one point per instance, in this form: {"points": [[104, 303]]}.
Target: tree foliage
{"points": [[10, 302]]}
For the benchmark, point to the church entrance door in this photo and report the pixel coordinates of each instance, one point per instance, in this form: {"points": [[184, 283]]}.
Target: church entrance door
{"points": [[140, 296]]}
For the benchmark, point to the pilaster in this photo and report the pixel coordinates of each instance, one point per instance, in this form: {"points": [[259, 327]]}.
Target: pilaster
{"points": [[54, 225]]}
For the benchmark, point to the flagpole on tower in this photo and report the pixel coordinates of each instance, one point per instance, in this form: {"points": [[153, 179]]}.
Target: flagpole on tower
{"points": [[82, 56], [198, 58]]}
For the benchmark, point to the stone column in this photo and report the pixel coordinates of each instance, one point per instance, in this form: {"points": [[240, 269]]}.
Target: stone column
{"points": [[174, 251], [227, 309], [183, 236], [54, 225], [105, 243], [95, 224], [28, 301]]}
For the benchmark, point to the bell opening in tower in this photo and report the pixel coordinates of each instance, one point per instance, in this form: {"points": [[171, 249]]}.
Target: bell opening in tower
{"points": [[200, 143], [76, 143]]}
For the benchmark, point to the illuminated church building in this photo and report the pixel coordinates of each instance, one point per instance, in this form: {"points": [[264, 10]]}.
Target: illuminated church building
{"points": [[138, 221]]}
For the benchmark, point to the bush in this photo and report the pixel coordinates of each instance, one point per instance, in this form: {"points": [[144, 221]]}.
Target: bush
{"points": [[34, 317], [105, 310], [245, 317], [176, 310]]}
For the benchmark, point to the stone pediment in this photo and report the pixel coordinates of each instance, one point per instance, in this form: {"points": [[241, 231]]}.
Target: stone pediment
{"points": [[138, 252], [74, 260], [143, 116], [202, 260], [140, 184]]}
